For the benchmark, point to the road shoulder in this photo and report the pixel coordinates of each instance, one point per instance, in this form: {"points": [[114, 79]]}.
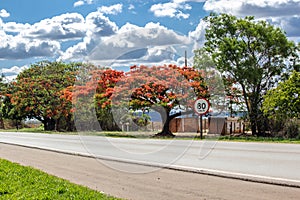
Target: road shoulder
{"points": [[157, 184]]}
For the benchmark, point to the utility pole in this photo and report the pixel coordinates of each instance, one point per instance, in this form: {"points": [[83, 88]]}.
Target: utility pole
{"points": [[185, 58]]}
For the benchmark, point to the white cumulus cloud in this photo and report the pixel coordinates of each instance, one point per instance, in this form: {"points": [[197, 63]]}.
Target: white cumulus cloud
{"points": [[129, 43], [111, 10], [171, 9], [4, 13], [15, 27], [262, 8], [62, 27], [134, 43], [82, 2], [14, 69], [198, 35], [16, 47], [12, 73], [98, 27], [284, 13], [131, 7], [78, 3]]}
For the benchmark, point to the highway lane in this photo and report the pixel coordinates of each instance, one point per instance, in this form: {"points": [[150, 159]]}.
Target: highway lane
{"points": [[158, 184], [259, 161]]}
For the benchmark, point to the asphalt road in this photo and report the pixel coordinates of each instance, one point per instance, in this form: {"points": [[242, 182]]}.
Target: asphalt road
{"points": [[160, 184], [275, 163]]}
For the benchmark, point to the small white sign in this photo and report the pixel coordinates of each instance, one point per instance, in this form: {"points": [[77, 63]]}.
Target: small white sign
{"points": [[201, 106]]}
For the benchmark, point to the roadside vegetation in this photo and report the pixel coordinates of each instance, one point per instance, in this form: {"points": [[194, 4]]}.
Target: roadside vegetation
{"points": [[259, 139], [254, 57], [19, 182], [258, 65], [151, 135]]}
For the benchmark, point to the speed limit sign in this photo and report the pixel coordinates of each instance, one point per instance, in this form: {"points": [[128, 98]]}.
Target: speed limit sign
{"points": [[201, 106]]}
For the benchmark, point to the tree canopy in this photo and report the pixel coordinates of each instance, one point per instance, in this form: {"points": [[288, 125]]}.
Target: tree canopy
{"points": [[91, 98], [224, 95], [282, 107], [253, 54], [116, 95], [36, 93], [169, 90], [284, 100]]}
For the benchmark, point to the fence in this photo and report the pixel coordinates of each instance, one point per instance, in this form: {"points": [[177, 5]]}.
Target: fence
{"points": [[225, 125], [181, 125], [211, 125]]}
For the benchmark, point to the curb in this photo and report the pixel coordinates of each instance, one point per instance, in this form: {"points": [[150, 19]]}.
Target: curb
{"points": [[203, 171]]}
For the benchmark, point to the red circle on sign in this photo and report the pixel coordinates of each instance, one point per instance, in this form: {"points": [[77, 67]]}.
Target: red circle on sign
{"points": [[201, 106]]}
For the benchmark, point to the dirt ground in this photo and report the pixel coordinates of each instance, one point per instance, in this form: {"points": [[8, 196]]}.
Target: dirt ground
{"points": [[157, 184]]}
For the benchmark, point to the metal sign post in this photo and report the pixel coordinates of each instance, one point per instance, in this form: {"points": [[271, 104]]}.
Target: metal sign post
{"points": [[201, 127], [201, 107]]}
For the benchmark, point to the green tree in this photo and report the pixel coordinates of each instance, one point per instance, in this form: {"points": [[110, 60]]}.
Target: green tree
{"points": [[37, 93], [9, 111], [282, 104], [295, 58], [251, 53], [224, 95], [3, 87], [285, 98]]}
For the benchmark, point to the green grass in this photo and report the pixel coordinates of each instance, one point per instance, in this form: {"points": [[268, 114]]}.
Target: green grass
{"points": [[37, 130], [258, 139], [19, 182], [146, 136], [182, 137]]}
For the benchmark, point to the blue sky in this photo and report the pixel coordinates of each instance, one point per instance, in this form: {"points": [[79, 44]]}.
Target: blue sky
{"points": [[114, 33]]}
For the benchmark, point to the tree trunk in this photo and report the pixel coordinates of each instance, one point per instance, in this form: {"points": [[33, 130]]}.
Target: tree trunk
{"points": [[17, 124], [70, 123], [49, 124], [166, 117], [166, 132], [1, 123], [257, 121], [261, 125], [253, 128], [253, 122], [166, 128]]}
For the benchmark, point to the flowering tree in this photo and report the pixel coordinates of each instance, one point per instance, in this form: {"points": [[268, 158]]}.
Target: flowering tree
{"points": [[169, 90], [37, 91], [91, 98]]}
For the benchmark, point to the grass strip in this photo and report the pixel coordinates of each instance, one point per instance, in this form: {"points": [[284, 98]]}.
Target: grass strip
{"points": [[19, 182], [138, 135], [258, 139]]}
